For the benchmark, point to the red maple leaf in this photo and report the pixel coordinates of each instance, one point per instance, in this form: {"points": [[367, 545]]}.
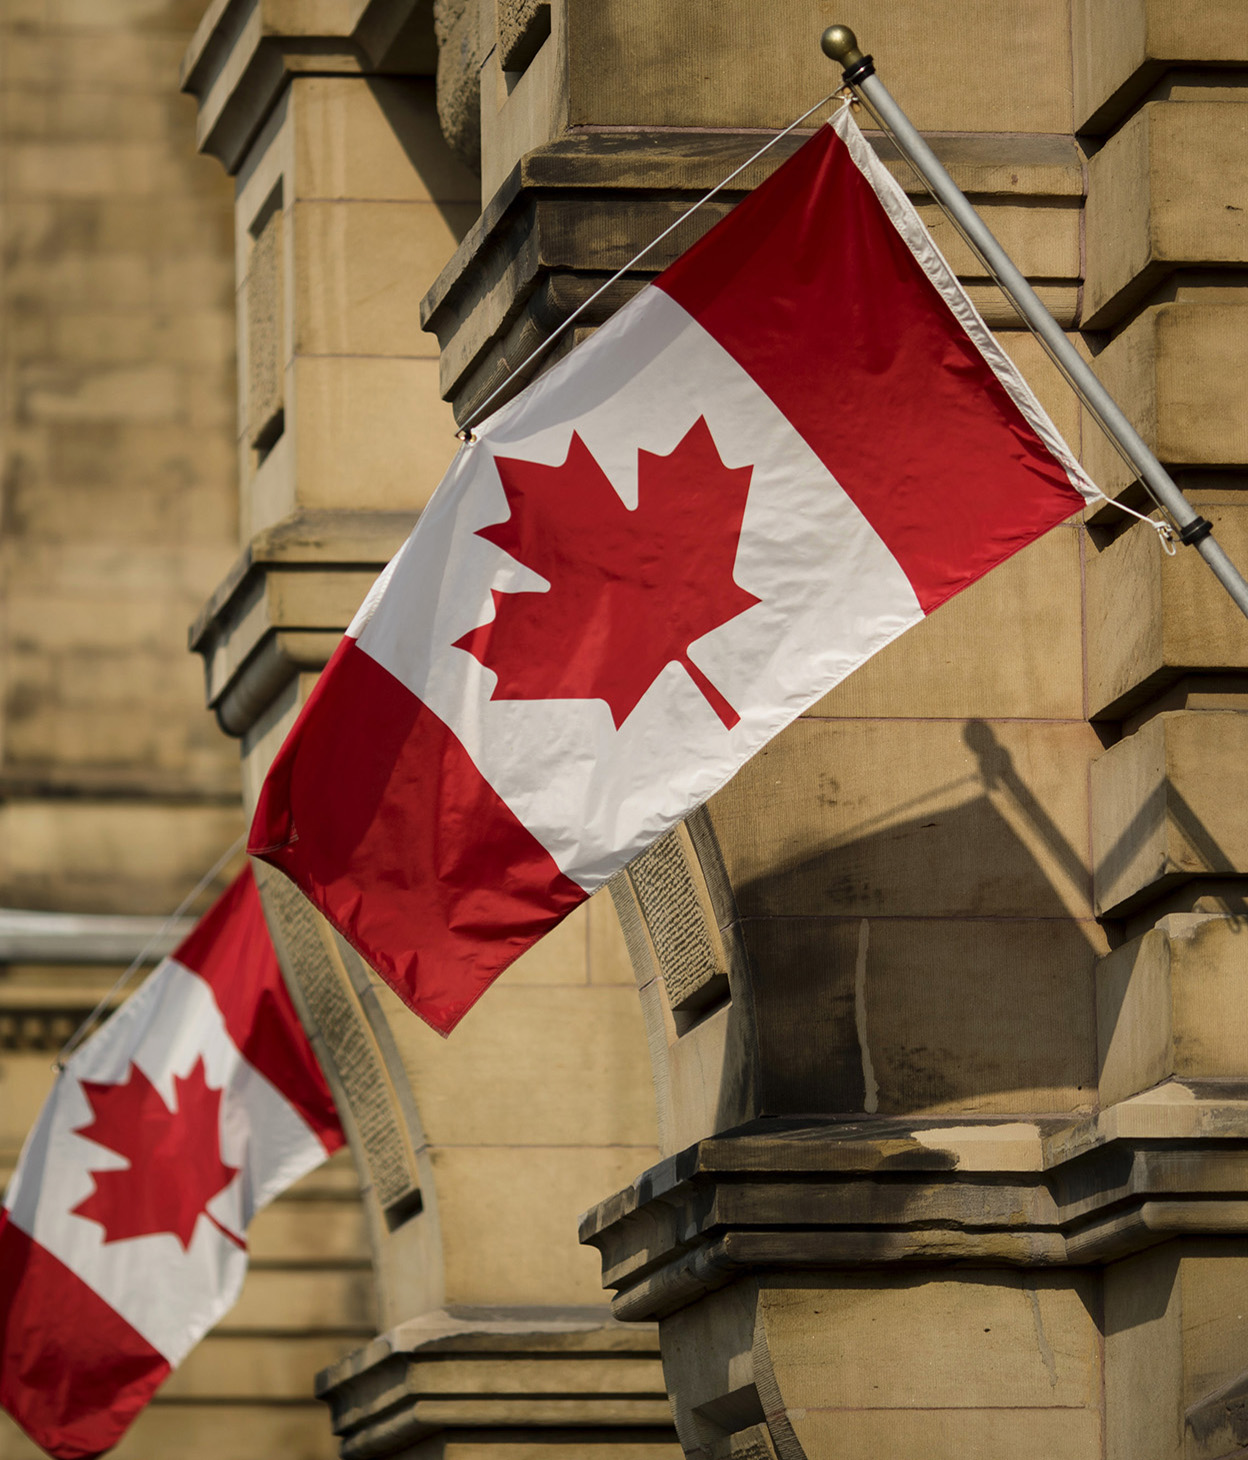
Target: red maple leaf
{"points": [[175, 1156], [630, 588]]}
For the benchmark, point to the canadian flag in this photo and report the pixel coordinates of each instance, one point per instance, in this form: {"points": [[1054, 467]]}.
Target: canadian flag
{"points": [[794, 444], [123, 1234]]}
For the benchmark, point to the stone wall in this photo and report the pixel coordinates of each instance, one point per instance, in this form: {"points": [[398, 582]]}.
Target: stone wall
{"points": [[120, 513], [939, 994]]}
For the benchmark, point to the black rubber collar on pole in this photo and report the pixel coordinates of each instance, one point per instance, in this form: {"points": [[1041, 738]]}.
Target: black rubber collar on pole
{"points": [[1196, 531], [852, 75]]}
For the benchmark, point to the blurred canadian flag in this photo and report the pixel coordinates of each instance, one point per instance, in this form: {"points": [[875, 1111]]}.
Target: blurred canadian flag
{"points": [[123, 1233]]}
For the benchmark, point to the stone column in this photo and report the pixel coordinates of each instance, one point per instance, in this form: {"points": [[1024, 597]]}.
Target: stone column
{"points": [[475, 1155], [1160, 90], [943, 990]]}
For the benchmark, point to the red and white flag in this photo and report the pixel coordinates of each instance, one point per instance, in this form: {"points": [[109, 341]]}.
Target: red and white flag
{"points": [[794, 444], [123, 1234]]}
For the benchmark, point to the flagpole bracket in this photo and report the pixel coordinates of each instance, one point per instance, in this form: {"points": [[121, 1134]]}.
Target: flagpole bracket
{"points": [[840, 44]]}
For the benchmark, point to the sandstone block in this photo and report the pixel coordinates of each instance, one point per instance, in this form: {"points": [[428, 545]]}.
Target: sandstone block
{"points": [[878, 818], [200, 1431], [99, 856], [1165, 807], [1009, 646], [544, 1039], [1151, 617], [371, 432], [971, 1434], [647, 64], [266, 336], [1175, 1372], [461, 49], [522, 27], [305, 1230], [607, 952], [1142, 224], [1176, 371], [921, 1017], [375, 141], [254, 1367], [1121, 49], [1173, 1003], [327, 1300], [941, 1365], [361, 270], [494, 1260]]}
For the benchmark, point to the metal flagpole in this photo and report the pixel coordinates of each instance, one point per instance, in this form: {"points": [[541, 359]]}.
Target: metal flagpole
{"points": [[841, 45]]}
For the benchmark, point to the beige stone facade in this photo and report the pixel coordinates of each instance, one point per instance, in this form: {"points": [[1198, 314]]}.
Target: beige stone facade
{"points": [[916, 1059], [120, 515]]}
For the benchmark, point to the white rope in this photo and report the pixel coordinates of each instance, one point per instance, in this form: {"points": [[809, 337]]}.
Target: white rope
{"points": [[1163, 530], [96, 1014], [465, 431]]}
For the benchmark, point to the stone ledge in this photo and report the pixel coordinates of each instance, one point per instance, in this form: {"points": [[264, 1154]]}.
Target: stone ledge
{"points": [[1179, 366], [1121, 49], [854, 1192], [605, 193], [1153, 619], [284, 604], [1140, 227], [577, 1373], [245, 51], [1166, 802]]}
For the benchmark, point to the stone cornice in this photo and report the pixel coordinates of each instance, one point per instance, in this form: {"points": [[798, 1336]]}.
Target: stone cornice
{"points": [[602, 193], [284, 604], [473, 1370], [245, 51], [863, 1192]]}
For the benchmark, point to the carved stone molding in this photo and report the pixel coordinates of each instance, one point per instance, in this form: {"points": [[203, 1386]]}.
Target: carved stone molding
{"points": [[791, 1194]]}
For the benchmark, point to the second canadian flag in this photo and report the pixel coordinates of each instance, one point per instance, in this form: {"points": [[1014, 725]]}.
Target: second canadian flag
{"points": [[791, 447]]}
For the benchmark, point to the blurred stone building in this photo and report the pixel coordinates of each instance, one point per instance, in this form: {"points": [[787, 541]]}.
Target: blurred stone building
{"points": [[903, 1088], [120, 515]]}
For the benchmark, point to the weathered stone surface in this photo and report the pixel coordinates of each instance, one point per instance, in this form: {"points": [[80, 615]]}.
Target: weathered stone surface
{"points": [[1153, 618], [782, 1196], [1172, 1003], [459, 67], [1175, 1365], [934, 818], [1121, 50], [372, 202], [829, 1365], [644, 64], [490, 1370], [377, 142], [1176, 369], [238, 65], [526, 1034], [958, 1367], [523, 25], [1010, 645], [197, 1429], [564, 212], [266, 327], [490, 1260], [356, 291], [1165, 807], [1140, 225]]}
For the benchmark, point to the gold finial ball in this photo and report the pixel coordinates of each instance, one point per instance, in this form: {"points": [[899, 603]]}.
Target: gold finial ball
{"points": [[840, 44]]}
